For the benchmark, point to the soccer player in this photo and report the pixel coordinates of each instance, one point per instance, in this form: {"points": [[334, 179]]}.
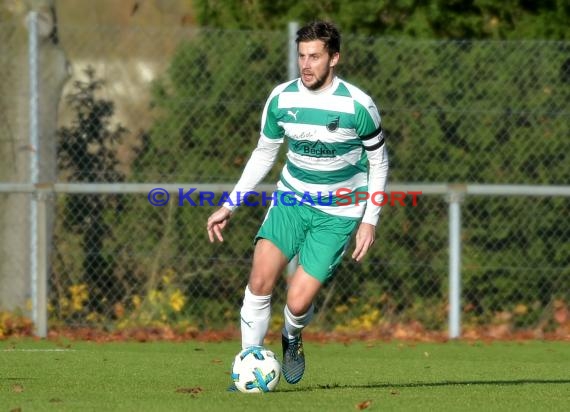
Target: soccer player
{"points": [[335, 141]]}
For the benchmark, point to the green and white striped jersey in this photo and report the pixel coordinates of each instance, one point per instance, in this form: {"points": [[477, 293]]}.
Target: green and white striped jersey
{"points": [[328, 134]]}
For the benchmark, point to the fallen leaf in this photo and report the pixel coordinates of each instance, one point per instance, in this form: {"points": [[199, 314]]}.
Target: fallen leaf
{"points": [[363, 405], [394, 392], [194, 390], [17, 388]]}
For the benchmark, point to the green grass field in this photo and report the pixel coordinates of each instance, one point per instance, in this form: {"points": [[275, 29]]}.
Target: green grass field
{"points": [[193, 376]]}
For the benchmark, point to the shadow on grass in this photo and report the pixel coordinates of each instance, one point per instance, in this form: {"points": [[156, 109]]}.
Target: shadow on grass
{"points": [[384, 385]]}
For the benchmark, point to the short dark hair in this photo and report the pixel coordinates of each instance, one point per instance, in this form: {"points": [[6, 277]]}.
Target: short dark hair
{"points": [[321, 30]]}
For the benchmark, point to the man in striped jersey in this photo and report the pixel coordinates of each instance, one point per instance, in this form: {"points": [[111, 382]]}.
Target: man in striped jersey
{"points": [[335, 141]]}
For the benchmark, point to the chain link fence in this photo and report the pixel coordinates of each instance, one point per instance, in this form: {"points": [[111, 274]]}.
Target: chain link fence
{"points": [[181, 107]]}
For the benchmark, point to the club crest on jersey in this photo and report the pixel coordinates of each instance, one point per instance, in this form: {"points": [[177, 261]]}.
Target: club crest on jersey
{"points": [[333, 122]]}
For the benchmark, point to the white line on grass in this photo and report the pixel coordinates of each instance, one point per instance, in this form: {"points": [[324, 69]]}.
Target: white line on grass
{"points": [[38, 350]]}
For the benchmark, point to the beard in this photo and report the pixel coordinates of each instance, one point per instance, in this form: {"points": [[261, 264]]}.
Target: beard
{"points": [[319, 81]]}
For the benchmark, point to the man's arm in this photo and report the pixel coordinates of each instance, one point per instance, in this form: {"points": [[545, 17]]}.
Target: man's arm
{"points": [[372, 137], [257, 167], [377, 176]]}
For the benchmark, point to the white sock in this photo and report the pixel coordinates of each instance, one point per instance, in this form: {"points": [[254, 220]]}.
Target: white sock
{"points": [[255, 314], [295, 324]]}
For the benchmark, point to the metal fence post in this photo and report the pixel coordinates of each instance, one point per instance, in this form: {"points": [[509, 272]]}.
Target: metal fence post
{"points": [[292, 68], [455, 197], [34, 166], [292, 73], [42, 248]]}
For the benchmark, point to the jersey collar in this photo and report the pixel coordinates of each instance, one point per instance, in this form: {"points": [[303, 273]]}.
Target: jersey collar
{"points": [[329, 90]]}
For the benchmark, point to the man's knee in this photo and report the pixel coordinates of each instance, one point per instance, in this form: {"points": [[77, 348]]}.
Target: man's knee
{"points": [[260, 285], [299, 308], [268, 264], [298, 302], [303, 289]]}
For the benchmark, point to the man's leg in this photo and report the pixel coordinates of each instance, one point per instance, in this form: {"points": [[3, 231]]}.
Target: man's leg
{"points": [[319, 255], [298, 312], [303, 289], [268, 265]]}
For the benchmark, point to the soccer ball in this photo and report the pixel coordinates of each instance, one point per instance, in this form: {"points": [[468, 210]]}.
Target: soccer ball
{"points": [[256, 370]]}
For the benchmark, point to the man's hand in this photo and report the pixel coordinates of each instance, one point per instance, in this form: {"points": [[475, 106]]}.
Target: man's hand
{"points": [[364, 239], [217, 222]]}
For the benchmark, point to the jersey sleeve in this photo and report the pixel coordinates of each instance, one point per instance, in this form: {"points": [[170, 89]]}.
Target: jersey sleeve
{"points": [[368, 125], [256, 168], [369, 130], [263, 156]]}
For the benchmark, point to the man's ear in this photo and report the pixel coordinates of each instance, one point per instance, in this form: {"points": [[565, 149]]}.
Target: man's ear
{"points": [[334, 60]]}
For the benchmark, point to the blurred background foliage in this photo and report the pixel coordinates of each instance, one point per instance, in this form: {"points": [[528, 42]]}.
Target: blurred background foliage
{"points": [[449, 117], [435, 19]]}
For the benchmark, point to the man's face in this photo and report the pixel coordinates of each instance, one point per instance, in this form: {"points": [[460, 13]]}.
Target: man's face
{"points": [[315, 64]]}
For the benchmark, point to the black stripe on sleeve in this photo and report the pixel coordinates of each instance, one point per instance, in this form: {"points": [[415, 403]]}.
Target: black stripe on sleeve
{"points": [[376, 146], [375, 133]]}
